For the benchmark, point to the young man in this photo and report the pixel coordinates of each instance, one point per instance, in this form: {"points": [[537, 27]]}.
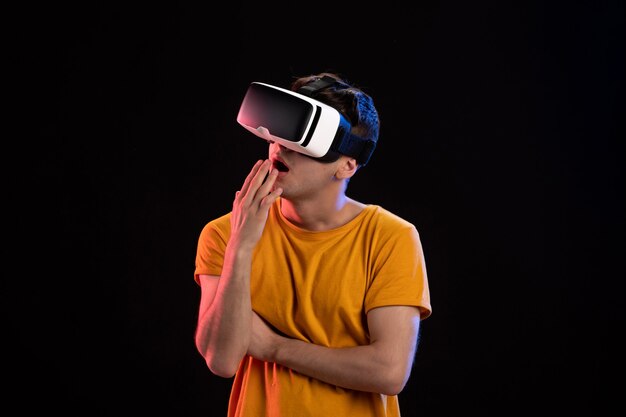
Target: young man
{"points": [[310, 299]]}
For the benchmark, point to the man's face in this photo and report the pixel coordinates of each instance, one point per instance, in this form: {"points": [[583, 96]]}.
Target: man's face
{"points": [[300, 175]]}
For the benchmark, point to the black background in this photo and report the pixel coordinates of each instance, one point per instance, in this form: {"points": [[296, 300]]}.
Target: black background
{"points": [[501, 140]]}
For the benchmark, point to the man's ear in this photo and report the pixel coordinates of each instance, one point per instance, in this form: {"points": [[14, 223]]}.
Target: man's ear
{"points": [[346, 168]]}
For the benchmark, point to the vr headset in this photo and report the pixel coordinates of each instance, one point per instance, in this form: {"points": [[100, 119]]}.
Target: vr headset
{"points": [[301, 123]]}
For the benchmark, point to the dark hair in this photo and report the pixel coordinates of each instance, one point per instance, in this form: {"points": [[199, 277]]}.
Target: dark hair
{"points": [[355, 105]]}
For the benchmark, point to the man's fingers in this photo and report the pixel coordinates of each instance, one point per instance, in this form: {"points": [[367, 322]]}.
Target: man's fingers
{"points": [[268, 183], [253, 172], [257, 189], [257, 186], [269, 199], [261, 173]]}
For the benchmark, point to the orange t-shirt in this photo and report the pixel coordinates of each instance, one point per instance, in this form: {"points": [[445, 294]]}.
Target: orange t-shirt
{"points": [[318, 287]]}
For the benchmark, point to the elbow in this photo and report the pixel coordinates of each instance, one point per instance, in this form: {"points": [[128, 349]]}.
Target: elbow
{"points": [[221, 362], [393, 382], [222, 368], [220, 365], [393, 388]]}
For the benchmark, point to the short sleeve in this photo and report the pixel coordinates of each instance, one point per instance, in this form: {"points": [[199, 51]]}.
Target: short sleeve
{"points": [[211, 247], [400, 276]]}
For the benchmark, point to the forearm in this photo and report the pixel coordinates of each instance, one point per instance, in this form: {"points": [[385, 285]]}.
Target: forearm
{"points": [[225, 318], [224, 325], [372, 368]]}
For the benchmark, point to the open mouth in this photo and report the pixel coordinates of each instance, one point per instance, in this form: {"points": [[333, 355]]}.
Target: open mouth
{"points": [[280, 166]]}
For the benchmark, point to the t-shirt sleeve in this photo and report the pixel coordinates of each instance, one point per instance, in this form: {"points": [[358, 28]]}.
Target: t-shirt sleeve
{"points": [[211, 248], [400, 273]]}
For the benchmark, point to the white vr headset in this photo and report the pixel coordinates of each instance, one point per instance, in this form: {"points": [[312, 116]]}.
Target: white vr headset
{"points": [[301, 123]]}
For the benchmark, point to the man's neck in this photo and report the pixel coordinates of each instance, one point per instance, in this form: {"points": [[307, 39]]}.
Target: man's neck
{"points": [[316, 215]]}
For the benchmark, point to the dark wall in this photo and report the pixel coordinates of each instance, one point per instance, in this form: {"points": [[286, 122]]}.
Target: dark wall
{"points": [[501, 140]]}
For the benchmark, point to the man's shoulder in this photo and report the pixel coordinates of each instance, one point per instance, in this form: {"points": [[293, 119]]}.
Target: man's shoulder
{"points": [[220, 225], [387, 218]]}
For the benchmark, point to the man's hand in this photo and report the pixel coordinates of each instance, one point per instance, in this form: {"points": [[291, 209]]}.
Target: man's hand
{"points": [[382, 366], [252, 204], [225, 316], [263, 341]]}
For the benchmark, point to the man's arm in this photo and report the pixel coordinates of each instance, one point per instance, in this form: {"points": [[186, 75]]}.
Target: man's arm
{"points": [[225, 314], [224, 320], [383, 366]]}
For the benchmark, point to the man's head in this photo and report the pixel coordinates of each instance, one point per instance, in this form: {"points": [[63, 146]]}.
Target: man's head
{"points": [[322, 117], [350, 101]]}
